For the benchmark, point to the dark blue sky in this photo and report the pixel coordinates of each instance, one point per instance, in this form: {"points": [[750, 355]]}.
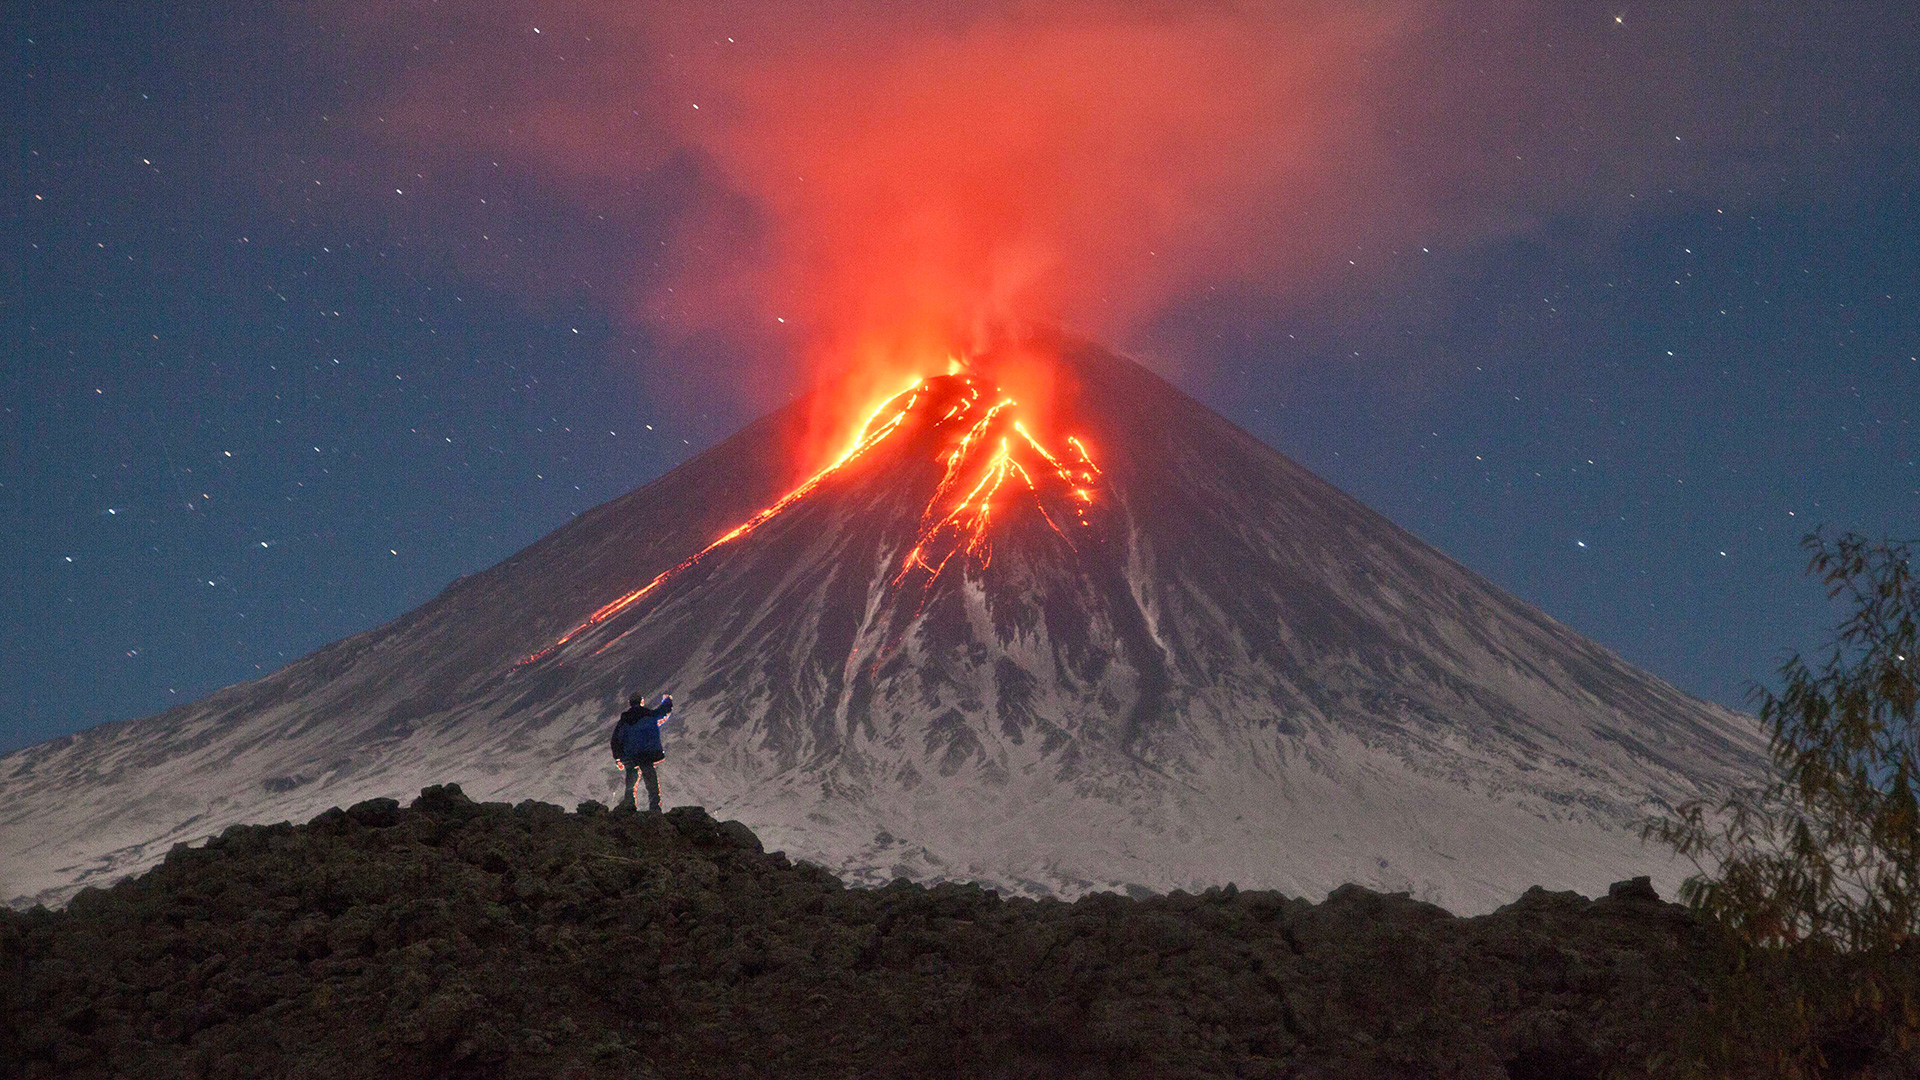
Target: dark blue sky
{"points": [[253, 403]]}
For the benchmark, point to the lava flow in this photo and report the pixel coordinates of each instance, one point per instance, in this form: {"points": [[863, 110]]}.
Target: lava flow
{"points": [[985, 459], [989, 455]]}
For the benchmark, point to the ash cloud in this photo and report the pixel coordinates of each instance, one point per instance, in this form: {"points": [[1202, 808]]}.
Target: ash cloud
{"points": [[840, 186]]}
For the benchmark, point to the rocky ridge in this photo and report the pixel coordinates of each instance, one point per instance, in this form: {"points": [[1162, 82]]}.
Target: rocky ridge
{"points": [[454, 938]]}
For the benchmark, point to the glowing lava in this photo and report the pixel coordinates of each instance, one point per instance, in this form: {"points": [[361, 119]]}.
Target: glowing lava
{"points": [[989, 456], [985, 466]]}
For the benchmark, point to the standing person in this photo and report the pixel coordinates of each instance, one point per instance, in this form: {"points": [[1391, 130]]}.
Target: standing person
{"points": [[636, 745]]}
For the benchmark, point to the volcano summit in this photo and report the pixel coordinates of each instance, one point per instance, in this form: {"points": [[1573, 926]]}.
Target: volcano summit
{"points": [[1091, 638]]}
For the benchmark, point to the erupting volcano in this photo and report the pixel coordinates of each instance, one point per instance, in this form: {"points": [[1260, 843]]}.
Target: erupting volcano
{"points": [[1090, 638], [989, 455]]}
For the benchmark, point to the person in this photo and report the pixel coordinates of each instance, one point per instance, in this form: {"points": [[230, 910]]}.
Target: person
{"points": [[636, 745]]}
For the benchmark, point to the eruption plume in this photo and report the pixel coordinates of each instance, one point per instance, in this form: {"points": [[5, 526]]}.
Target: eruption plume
{"points": [[853, 190], [871, 188], [932, 184]]}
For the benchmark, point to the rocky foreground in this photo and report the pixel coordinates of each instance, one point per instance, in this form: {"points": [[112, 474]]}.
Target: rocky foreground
{"points": [[453, 938]]}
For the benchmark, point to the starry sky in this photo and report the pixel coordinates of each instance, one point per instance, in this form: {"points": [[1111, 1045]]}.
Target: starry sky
{"points": [[310, 309]]}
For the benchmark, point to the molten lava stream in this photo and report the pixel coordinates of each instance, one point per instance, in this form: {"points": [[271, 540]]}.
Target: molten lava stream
{"points": [[958, 516], [869, 436], [962, 528]]}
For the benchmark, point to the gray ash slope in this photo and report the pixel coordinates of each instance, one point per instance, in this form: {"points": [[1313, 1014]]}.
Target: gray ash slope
{"points": [[1211, 667]]}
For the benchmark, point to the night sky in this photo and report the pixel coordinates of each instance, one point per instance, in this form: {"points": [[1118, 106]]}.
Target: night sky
{"points": [[308, 309]]}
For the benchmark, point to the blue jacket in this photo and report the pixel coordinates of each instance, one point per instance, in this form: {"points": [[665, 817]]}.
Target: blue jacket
{"points": [[636, 738]]}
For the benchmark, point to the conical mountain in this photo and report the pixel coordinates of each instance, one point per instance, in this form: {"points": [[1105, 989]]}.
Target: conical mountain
{"points": [[1050, 625]]}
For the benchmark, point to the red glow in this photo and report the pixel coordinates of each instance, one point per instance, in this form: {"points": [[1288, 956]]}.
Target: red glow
{"points": [[995, 458], [990, 457], [932, 184], [924, 179], [852, 190], [931, 179]]}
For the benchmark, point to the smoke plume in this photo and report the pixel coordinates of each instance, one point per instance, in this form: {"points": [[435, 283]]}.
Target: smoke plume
{"points": [[864, 188]]}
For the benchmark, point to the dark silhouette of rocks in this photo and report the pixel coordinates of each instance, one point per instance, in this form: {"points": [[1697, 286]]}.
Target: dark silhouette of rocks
{"points": [[452, 938]]}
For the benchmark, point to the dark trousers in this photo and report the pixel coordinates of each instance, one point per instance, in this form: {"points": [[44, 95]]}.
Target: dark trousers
{"points": [[643, 768]]}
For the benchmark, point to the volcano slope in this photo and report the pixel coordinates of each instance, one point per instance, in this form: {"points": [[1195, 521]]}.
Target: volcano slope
{"points": [[1094, 639]]}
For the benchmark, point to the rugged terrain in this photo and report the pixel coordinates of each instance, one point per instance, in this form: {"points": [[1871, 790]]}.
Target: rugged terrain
{"points": [[1091, 638], [462, 939]]}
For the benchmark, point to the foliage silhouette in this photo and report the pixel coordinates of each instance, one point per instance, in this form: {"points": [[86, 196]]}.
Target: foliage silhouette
{"points": [[1815, 878]]}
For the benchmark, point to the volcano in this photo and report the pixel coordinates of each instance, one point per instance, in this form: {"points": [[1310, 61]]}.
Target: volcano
{"points": [[1091, 638]]}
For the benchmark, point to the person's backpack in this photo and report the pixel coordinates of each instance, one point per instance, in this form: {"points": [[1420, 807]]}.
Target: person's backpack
{"points": [[640, 739]]}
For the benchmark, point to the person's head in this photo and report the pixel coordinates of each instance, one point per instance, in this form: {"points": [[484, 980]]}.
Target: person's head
{"points": [[636, 699], [666, 699]]}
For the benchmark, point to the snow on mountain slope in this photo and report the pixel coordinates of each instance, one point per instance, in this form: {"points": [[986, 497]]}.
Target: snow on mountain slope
{"points": [[1106, 640]]}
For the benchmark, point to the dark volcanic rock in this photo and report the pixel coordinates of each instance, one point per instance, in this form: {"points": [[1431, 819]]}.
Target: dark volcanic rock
{"points": [[461, 939]]}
